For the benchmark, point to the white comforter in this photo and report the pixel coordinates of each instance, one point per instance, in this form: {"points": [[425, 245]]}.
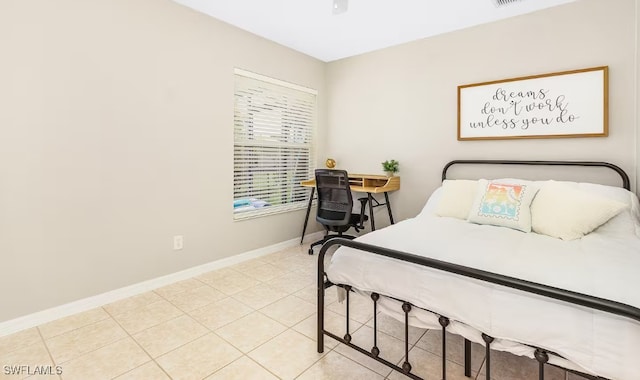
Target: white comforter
{"points": [[605, 263]]}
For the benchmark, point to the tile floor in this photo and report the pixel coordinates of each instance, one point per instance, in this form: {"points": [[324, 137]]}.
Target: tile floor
{"points": [[254, 320]]}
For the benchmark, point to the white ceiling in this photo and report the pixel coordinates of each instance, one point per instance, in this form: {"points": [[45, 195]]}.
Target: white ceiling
{"points": [[310, 27]]}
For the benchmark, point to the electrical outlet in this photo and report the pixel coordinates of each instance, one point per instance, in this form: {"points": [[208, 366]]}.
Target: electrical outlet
{"points": [[178, 242]]}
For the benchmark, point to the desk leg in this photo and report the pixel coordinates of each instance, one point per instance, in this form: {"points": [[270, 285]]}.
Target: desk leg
{"points": [[386, 198], [306, 218], [373, 222]]}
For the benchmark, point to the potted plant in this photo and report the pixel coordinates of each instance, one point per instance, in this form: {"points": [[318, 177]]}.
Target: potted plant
{"points": [[390, 167]]}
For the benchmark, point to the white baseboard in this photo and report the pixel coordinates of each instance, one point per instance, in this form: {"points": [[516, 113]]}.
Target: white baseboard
{"points": [[57, 312]]}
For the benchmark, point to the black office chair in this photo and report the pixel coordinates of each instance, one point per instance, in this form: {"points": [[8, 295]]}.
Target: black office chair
{"points": [[335, 205]]}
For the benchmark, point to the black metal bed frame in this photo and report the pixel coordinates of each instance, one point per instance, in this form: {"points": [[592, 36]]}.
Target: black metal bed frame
{"points": [[541, 355]]}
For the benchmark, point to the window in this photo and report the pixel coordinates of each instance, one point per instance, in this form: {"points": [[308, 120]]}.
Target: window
{"points": [[274, 123]]}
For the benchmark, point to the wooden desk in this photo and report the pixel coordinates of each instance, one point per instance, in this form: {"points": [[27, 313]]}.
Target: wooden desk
{"points": [[361, 183]]}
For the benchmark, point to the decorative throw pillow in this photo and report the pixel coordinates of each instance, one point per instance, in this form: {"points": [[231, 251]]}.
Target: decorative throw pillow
{"points": [[456, 198], [569, 213], [505, 204]]}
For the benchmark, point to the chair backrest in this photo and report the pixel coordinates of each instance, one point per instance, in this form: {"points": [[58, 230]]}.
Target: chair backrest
{"points": [[334, 197]]}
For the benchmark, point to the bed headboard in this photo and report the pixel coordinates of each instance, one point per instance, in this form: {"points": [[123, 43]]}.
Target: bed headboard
{"points": [[623, 175]]}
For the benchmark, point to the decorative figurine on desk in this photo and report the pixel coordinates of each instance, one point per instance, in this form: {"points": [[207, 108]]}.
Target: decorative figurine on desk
{"points": [[330, 162], [390, 167]]}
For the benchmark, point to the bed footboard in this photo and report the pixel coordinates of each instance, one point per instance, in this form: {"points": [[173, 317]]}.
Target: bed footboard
{"points": [[541, 355]]}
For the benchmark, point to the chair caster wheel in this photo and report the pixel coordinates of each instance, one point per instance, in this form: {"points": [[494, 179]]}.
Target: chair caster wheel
{"points": [[311, 251]]}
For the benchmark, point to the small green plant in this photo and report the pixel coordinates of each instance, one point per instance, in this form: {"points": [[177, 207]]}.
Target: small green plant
{"points": [[390, 166]]}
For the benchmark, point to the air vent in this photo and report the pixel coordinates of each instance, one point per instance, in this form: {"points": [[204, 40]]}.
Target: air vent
{"points": [[503, 3]]}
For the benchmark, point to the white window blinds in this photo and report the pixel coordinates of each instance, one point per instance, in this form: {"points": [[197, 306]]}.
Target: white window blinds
{"points": [[274, 125]]}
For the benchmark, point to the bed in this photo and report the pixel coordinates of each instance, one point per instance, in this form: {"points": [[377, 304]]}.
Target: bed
{"points": [[569, 303]]}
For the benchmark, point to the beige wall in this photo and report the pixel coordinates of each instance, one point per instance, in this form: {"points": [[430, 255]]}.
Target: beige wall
{"points": [[116, 134], [401, 102], [637, 120]]}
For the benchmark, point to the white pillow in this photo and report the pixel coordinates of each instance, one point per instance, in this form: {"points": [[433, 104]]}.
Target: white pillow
{"points": [[569, 213], [499, 203], [456, 198], [429, 208]]}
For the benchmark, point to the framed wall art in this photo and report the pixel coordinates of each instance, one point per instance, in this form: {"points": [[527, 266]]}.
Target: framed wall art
{"points": [[563, 104]]}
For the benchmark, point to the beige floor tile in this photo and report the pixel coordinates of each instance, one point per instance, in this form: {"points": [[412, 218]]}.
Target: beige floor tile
{"points": [[310, 294], [277, 256], [291, 264], [248, 265], [391, 349], [242, 369], [19, 340], [234, 283], [395, 328], [46, 373], [220, 313], [147, 316], [289, 310], [506, 366], [250, 331], [63, 325], [298, 248], [26, 361], [287, 355], [302, 260], [132, 303], [178, 287], [313, 259], [266, 272], [337, 367], [291, 282], [80, 341], [429, 366], [42, 372], [334, 323], [218, 274], [309, 271], [107, 362], [259, 296], [199, 358], [149, 371], [160, 339], [196, 297], [282, 285], [432, 341]]}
